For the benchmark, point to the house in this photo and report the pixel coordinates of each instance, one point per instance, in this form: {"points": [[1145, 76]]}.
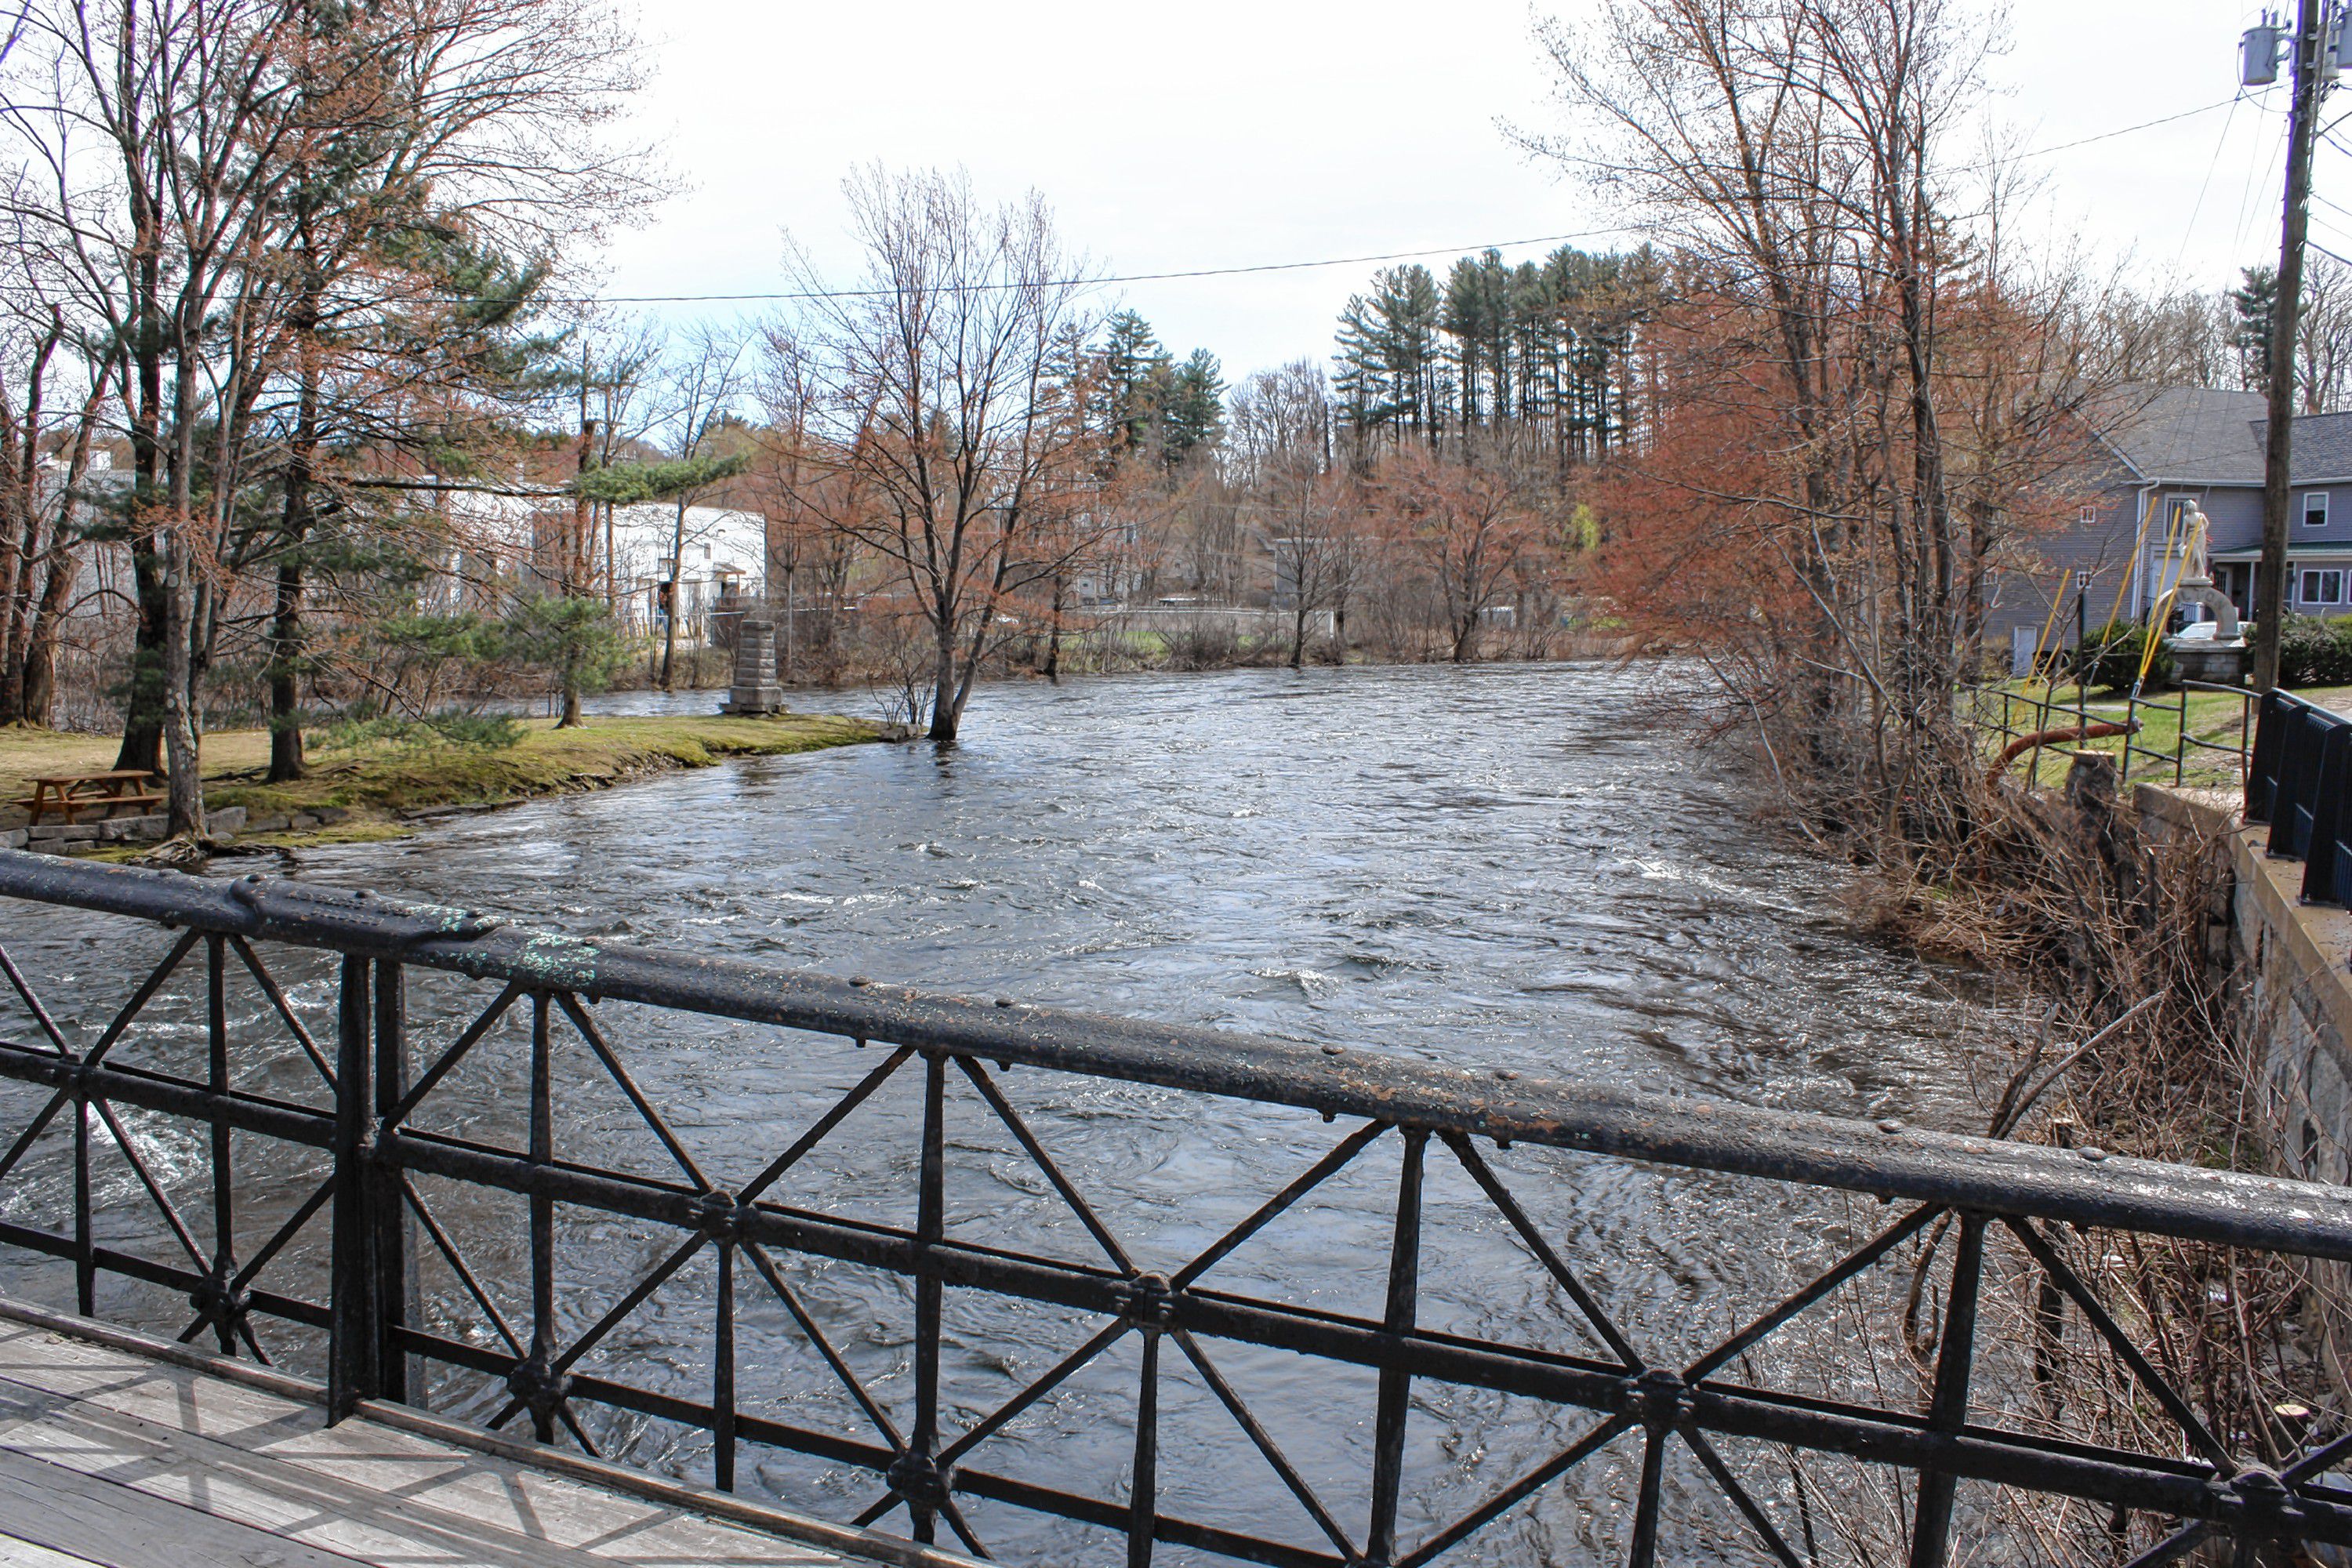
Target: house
{"points": [[504, 545], [2169, 450], [725, 551]]}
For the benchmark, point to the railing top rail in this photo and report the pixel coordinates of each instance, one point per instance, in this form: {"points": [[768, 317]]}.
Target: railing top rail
{"points": [[2289, 700], [1884, 1159]]}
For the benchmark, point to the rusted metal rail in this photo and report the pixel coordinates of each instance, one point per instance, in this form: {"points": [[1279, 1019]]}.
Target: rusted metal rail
{"points": [[377, 1076]]}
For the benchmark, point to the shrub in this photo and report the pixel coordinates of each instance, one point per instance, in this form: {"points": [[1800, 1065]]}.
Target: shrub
{"points": [[2315, 651], [2110, 662]]}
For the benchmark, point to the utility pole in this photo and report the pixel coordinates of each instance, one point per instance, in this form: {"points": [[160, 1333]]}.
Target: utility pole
{"points": [[2314, 66]]}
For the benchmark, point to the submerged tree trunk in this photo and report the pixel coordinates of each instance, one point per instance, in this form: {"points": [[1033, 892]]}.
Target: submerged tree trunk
{"points": [[1053, 632], [946, 712]]}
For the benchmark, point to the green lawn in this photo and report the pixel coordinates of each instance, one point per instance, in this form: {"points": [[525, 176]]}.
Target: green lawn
{"points": [[376, 784], [2214, 717]]}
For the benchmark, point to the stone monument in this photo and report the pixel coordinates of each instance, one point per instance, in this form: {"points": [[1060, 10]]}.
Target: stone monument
{"points": [[754, 690], [2219, 658]]}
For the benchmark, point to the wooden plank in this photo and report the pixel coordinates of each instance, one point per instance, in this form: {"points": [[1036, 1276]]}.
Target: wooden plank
{"points": [[80, 1519], [16, 1554], [358, 1488], [763, 1519]]}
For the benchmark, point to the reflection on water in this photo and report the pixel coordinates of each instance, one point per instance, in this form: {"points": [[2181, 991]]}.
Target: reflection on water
{"points": [[1522, 867]]}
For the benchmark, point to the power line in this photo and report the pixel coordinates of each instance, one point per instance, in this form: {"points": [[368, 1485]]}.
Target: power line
{"points": [[783, 295], [2124, 130], [1072, 282]]}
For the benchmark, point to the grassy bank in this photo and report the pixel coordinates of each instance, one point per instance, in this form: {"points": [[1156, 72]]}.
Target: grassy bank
{"points": [[378, 785], [2214, 719]]}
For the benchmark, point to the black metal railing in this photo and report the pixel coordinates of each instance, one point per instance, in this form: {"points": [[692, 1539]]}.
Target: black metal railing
{"points": [[2299, 779], [2016, 715], [358, 1106]]}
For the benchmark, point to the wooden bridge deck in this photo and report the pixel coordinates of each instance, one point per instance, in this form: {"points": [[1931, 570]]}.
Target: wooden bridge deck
{"points": [[112, 1455]]}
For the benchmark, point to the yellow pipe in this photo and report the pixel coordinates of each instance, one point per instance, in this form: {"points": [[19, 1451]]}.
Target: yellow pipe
{"points": [[2057, 599]]}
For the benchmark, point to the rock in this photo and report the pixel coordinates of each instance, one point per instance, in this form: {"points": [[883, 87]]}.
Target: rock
{"points": [[303, 822], [277, 822], [329, 816], [63, 833], [228, 819], [15, 838]]}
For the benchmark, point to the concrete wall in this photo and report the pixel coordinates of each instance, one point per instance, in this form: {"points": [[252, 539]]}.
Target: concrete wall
{"points": [[2290, 964]]}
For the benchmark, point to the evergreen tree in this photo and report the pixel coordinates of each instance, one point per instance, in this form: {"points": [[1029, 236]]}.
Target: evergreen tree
{"points": [[2251, 304], [1134, 370], [1543, 347], [1193, 405]]}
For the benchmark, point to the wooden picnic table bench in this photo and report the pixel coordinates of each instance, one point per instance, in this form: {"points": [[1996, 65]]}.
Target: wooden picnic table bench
{"points": [[67, 796]]}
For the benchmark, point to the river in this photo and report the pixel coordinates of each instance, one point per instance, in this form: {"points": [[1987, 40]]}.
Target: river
{"points": [[1526, 867]]}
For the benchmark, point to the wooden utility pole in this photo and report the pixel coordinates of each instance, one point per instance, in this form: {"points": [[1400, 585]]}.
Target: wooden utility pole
{"points": [[2311, 45]]}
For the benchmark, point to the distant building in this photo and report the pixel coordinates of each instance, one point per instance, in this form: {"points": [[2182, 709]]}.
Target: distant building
{"points": [[503, 546], [725, 552], [2174, 448]]}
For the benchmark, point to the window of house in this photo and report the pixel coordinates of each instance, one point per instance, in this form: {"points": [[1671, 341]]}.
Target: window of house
{"points": [[2088, 517], [2315, 510], [705, 553], [2322, 587]]}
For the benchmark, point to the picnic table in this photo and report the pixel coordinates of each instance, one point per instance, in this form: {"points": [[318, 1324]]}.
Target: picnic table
{"points": [[67, 796]]}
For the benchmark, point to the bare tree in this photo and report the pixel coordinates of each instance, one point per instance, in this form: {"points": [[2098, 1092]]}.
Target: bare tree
{"points": [[225, 193], [701, 387], [940, 391], [1280, 432], [1461, 521]]}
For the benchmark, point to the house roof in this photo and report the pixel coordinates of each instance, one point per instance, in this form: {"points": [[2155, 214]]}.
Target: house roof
{"points": [[2196, 435], [2322, 448]]}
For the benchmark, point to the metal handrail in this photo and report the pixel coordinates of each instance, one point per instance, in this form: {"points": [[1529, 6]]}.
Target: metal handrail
{"points": [[1981, 1185]]}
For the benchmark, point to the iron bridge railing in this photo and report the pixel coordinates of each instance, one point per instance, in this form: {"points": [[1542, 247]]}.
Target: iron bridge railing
{"points": [[378, 1079], [2299, 781]]}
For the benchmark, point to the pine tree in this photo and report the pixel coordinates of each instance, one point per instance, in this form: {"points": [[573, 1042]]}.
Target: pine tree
{"points": [[1134, 368], [2253, 302], [1193, 408]]}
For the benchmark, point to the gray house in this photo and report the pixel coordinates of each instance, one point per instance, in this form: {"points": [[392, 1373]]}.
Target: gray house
{"points": [[2176, 448]]}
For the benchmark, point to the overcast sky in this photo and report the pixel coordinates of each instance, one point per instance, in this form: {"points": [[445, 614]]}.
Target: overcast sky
{"points": [[1231, 133]]}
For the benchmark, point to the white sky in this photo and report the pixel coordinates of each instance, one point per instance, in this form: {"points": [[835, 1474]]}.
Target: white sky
{"points": [[1238, 132]]}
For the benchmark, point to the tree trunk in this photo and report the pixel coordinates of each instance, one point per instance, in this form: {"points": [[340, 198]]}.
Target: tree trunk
{"points": [[184, 788], [1054, 633], [142, 726], [669, 623], [287, 762], [41, 646], [945, 716]]}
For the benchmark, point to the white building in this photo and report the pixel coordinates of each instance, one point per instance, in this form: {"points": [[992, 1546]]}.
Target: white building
{"points": [[723, 550], [510, 544]]}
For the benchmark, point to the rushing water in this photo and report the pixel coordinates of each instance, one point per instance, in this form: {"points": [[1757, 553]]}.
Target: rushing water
{"points": [[1517, 867]]}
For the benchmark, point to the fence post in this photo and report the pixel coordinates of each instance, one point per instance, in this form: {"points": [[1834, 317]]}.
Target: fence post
{"points": [[1947, 1409], [354, 1332], [929, 1490], [1396, 1385], [389, 1227]]}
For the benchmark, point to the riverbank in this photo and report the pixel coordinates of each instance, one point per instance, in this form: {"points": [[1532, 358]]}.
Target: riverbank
{"points": [[374, 793]]}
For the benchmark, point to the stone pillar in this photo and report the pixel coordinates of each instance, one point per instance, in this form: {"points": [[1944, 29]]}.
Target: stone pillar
{"points": [[754, 690]]}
